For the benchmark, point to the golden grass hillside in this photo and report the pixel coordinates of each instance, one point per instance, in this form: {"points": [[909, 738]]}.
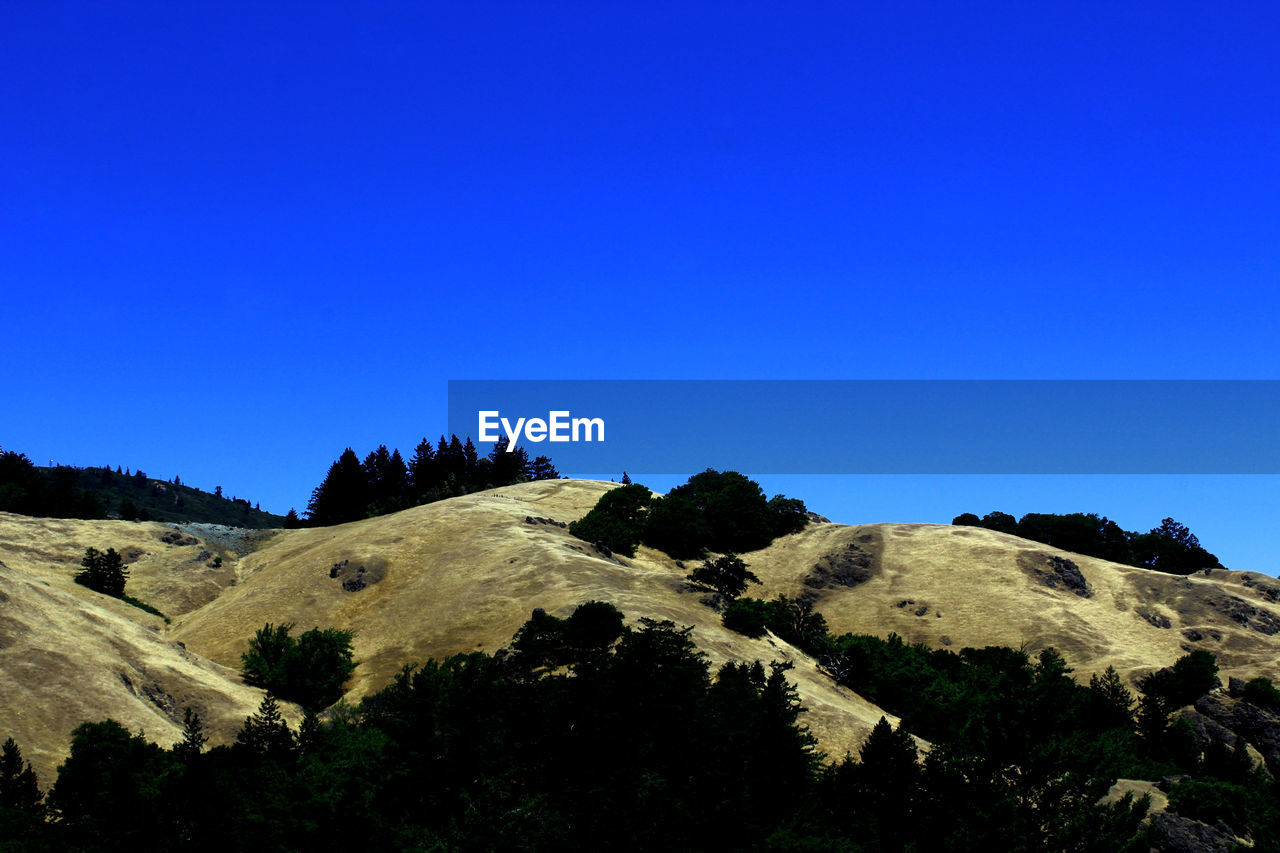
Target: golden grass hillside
{"points": [[465, 574], [66, 659], [965, 586]]}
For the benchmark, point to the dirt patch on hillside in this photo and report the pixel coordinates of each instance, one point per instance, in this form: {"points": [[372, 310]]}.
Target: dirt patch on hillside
{"points": [[1054, 572], [853, 565]]}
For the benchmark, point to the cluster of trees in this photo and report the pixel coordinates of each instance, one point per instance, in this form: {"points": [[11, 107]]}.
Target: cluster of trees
{"points": [[1021, 751], [588, 733], [65, 491], [715, 511], [385, 483], [103, 572], [1171, 547], [47, 492], [310, 669]]}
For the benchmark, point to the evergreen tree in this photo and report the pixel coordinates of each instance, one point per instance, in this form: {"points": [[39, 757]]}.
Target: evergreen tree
{"points": [[422, 470], [1110, 702], [470, 460], [291, 520], [104, 573], [542, 469], [19, 788], [193, 736], [344, 494], [267, 733], [887, 783]]}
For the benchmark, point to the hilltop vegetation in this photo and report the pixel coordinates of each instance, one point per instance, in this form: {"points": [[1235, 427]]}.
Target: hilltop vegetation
{"points": [[1170, 548], [719, 511], [384, 483], [67, 492]]}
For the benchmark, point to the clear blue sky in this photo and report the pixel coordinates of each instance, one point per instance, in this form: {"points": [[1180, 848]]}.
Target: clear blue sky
{"points": [[236, 238]]}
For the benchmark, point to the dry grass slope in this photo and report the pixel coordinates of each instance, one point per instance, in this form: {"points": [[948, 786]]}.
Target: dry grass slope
{"points": [[464, 574]]}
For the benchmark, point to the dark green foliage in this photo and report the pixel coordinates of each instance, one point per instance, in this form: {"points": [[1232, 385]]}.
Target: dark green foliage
{"points": [[385, 483], [750, 616], [67, 492], [193, 736], [1110, 702], [591, 735], [1261, 692], [547, 641], [726, 575], [617, 520], [103, 572], [310, 670], [22, 806], [266, 733], [343, 495], [793, 620], [106, 793], [1191, 676], [714, 511], [720, 511], [1171, 547], [291, 520], [1213, 800]]}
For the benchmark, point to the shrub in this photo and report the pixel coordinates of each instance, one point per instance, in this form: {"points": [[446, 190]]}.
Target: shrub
{"points": [[727, 575], [1261, 692], [617, 519], [310, 670], [714, 511]]}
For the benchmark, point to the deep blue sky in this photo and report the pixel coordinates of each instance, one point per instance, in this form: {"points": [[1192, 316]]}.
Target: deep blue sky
{"points": [[236, 238]]}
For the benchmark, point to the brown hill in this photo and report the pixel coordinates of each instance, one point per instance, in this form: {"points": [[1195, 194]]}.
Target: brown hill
{"points": [[464, 574]]}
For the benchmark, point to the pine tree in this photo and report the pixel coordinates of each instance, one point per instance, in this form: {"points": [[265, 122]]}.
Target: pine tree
{"points": [[1110, 702], [344, 494], [193, 737], [470, 462], [626, 480], [104, 573], [267, 733], [422, 470], [19, 788]]}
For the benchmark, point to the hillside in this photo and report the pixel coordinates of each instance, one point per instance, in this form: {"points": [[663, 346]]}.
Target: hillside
{"points": [[63, 491], [465, 573]]}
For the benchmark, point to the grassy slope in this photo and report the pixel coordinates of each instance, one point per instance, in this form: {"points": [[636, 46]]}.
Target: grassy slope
{"points": [[465, 573]]}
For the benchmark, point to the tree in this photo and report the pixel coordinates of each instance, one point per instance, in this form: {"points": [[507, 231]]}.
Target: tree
{"points": [[626, 480], [266, 733], [727, 575], [887, 783], [291, 520], [617, 519], [19, 788], [343, 495], [719, 511], [422, 470], [104, 573], [103, 795], [1110, 702], [193, 736], [310, 670]]}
